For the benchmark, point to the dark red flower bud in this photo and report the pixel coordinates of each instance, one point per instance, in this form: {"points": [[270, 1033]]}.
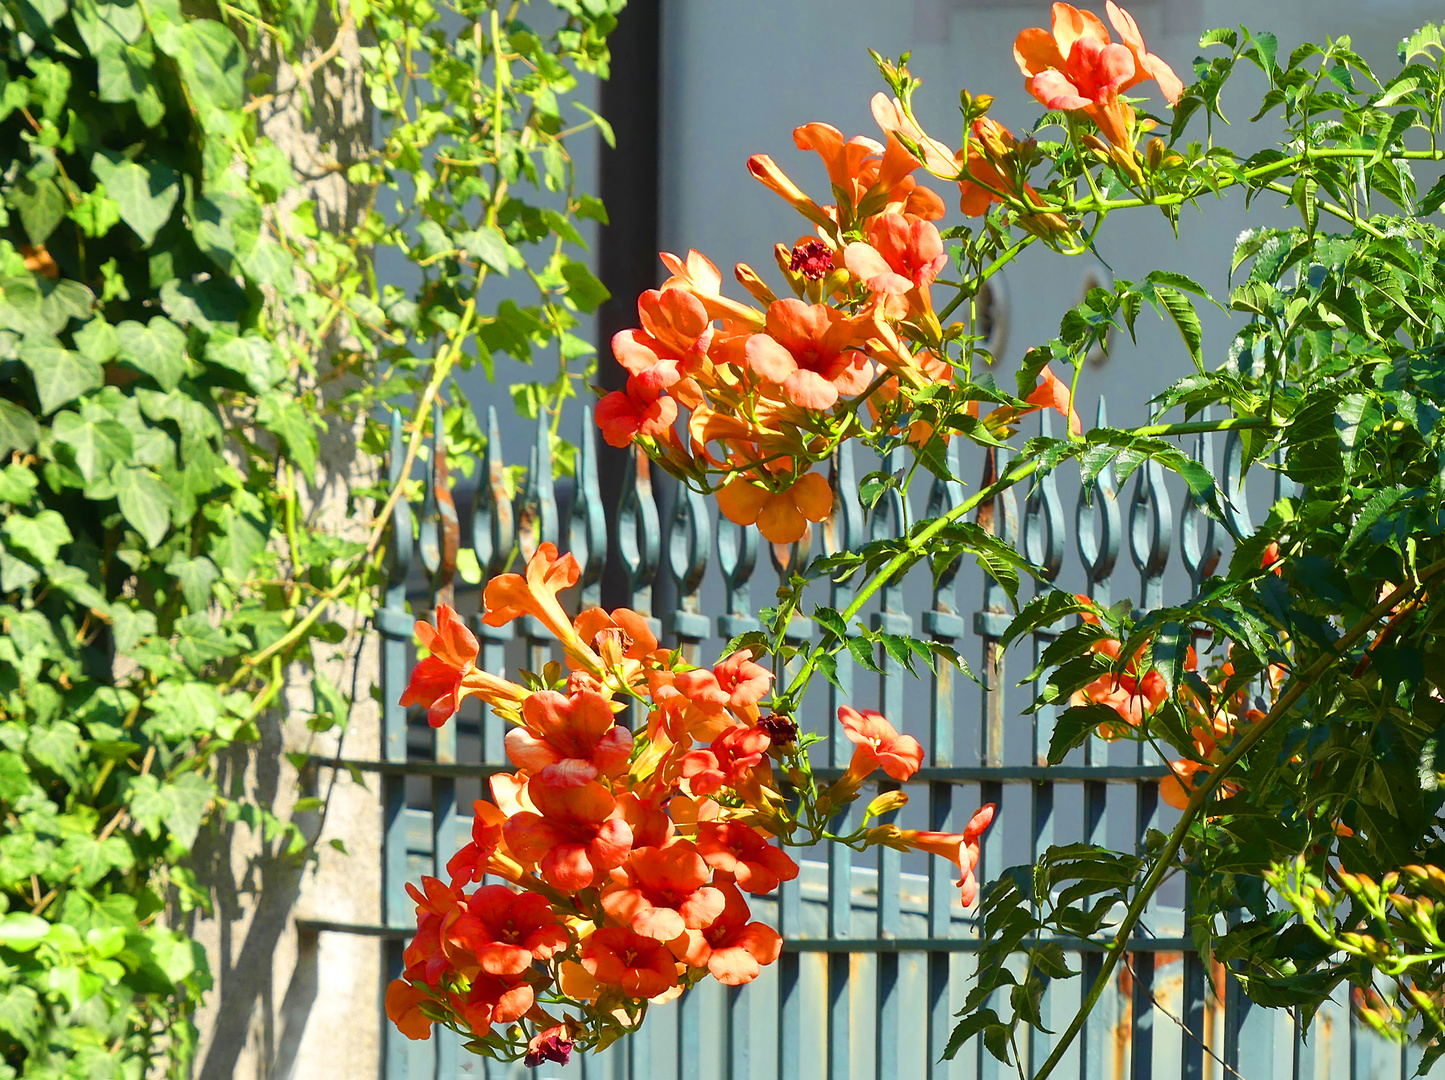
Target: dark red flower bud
{"points": [[813, 259], [780, 730]]}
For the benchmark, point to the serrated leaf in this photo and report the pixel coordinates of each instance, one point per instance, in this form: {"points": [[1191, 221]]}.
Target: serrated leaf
{"points": [[1075, 724]]}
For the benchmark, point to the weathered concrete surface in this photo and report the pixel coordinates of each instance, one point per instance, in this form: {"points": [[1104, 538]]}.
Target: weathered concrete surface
{"points": [[287, 1005]]}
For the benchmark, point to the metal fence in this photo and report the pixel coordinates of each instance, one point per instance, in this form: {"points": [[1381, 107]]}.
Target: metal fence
{"points": [[877, 953]]}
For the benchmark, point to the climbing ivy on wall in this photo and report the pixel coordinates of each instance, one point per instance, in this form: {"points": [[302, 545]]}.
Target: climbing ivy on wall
{"points": [[180, 329]]}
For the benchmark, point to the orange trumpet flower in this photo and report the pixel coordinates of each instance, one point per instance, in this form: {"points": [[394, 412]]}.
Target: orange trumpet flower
{"points": [[1079, 68]]}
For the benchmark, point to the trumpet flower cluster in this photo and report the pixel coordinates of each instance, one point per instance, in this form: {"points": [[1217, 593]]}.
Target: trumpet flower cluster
{"points": [[772, 386], [613, 867]]}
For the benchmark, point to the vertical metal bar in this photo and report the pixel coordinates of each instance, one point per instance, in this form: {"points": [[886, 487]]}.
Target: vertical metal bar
{"points": [[890, 519], [586, 525], [999, 517], [1248, 1034], [786, 558], [1043, 545], [843, 528], [493, 534], [1097, 508], [1151, 528], [395, 627], [536, 518], [942, 623], [737, 550], [639, 536], [1199, 547], [439, 536], [687, 551]]}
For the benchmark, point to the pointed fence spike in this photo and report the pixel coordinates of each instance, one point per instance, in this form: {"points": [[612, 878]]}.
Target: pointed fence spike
{"points": [[639, 535], [1151, 534], [1043, 528], [1097, 525], [1237, 518], [943, 496], [845, 523], [401, 546], [493, 532], [1198, 540], [737, 558], [441, 529], [537, 514], [586, 523], [687, 552]]}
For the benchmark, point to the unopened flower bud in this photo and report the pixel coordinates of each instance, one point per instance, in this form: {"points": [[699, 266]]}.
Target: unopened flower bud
{"points": [[756, 286], [1096, 144], [886, 803], [1156, 153]]}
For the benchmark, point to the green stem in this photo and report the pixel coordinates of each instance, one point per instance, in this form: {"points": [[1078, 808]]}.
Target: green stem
{"points": [[1020, 471], [1202, 794], [986, 273], [299, 629]]}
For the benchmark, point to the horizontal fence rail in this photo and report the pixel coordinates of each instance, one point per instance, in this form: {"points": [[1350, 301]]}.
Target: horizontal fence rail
{"points": [[876, 957]]}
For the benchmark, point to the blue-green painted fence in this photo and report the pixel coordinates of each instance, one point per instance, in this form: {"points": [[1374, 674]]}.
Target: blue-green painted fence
{"points": [[877, 955]]}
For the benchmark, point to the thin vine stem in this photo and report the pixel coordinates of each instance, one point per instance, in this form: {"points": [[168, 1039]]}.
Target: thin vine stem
{"points": [[1202, 794]]}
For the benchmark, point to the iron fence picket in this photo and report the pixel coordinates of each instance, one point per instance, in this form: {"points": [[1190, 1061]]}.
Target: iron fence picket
{"points": [[866, 985], [942, 624], [843, 529]]}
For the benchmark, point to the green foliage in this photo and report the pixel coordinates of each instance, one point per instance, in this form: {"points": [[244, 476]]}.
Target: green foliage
{"points": [[1332, 784], [172, 326]]}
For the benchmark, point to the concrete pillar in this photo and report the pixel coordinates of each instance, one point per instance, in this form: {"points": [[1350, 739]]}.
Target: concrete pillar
{"points": [[288, 1004]]}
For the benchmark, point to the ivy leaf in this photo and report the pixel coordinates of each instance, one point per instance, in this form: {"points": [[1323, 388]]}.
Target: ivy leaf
{"points": [[144, 501], [18, 429], [179, 806], [286, 418], [487, 245], [20, 1010], [56, 746], [92, 858], [97, 444], [130, 627], [17, 485], [61, 375], [157, 348], [210, 58], [40, 203], [583, 288], [42, 535], [21, 931], [199, 642], [183, 710], [195, 577], [146, 194]]}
